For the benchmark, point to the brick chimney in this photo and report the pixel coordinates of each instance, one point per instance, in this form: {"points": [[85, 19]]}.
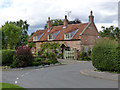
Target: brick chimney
{"points": [[91, 17], [65, 21], [48, 23]]}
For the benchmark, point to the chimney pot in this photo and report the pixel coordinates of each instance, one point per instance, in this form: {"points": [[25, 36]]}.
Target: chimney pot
{"points": [[65, 21], [91, 17], [48, 23]]}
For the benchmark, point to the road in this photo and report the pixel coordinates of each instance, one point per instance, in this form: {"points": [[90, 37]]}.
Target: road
{"points": [[0, 74], [64, 76]]}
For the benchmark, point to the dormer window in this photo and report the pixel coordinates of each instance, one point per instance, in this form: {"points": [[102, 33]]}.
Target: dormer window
{"points": [[50, 37], [53, 35], [67, 36], [70, 35], [35, 38]]}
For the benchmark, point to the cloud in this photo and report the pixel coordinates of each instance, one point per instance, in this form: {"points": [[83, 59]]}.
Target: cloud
{"points": [[36, 12]]}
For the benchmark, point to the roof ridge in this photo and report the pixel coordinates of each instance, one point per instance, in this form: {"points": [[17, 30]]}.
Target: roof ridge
{"points": [[85, 29]]}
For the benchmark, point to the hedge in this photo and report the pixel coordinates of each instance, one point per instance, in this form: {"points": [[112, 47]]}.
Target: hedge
{"points": [[7, 57], [106, 56]]}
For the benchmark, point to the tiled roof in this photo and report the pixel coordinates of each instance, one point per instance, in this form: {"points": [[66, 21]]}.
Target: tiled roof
{"points": [[60, 36], [66, 44]]}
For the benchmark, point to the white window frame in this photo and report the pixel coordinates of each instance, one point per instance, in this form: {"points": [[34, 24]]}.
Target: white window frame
{"points": [[49, 37], [67, 38], [35, 38]]}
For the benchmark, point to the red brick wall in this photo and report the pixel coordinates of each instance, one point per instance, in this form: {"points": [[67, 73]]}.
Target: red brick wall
{"points": [[72, 44], [90, 36]]}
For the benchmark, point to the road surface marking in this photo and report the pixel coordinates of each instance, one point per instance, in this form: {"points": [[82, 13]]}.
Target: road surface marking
{"points": [[15, 82]]}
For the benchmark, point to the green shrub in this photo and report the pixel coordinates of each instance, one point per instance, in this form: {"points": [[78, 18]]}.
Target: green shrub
{"points": [[83, 56], [7, 57], [105, 56], [59, 56], [36, 63], [48, 61], [37, 59], [49, 52]]}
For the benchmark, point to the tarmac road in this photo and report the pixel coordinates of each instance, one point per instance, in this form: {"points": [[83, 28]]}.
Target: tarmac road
{"points": [[63, 76]]}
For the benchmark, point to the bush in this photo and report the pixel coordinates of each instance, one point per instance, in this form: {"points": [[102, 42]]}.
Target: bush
{"points": [[36, 63], [105, 56], [49, 52], [37, 59], [83, 56], [23, 57], [60, 56], [7, 57], [49, 55]]}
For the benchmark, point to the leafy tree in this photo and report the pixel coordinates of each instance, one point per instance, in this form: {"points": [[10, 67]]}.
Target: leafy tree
{"points": [[47, 45], [76, 21], [24, 36], [111, 32], [55, 22], [31, 45], [31, 34], [10, 35], [1, 38]]}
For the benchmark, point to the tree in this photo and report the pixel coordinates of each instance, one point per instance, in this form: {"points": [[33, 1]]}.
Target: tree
{"points": [[31, 34], [1, 39], [57, 22], [111, 32], [31, 45], [76, 21], [47, 45], [24, 36], [10, 35]]}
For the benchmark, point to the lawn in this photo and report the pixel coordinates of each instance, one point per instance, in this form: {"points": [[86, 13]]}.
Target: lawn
{"points": [[4, 86]]}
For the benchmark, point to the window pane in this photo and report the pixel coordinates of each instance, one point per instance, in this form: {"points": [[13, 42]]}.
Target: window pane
{"points": [[40, 36], [50, 36], [73, 33], [55, 34]]}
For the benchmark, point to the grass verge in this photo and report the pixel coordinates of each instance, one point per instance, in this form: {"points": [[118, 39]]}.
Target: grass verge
{"points": [[8, 86]]}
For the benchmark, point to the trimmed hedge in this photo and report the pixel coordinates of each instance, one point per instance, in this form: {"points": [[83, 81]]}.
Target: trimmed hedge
{"points": [[7, 57], [106, 56]]}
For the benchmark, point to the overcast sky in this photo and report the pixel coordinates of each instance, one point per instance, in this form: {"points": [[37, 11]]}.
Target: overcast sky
{"points": [[36, 12]]}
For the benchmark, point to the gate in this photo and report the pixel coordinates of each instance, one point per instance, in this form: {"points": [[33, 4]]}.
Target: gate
{"points": [[69, 54]]}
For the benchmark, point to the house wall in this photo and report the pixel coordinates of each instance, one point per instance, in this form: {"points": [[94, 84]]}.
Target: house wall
{"points": [[90, 36], [72, 44]]}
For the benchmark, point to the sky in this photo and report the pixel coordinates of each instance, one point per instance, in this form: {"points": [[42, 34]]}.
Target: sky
{"points": [[36, 12]]}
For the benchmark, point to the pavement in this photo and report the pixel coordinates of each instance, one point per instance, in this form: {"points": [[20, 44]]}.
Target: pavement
{"points": [[92, 72], [102, 75], [65, 61], [62, 76]]}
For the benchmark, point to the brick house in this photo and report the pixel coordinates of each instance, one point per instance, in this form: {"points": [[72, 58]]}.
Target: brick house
{"points": [[71, 36]]}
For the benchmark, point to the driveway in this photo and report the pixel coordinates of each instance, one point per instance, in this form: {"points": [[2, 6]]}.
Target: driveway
{"points": [[64, 76]]}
